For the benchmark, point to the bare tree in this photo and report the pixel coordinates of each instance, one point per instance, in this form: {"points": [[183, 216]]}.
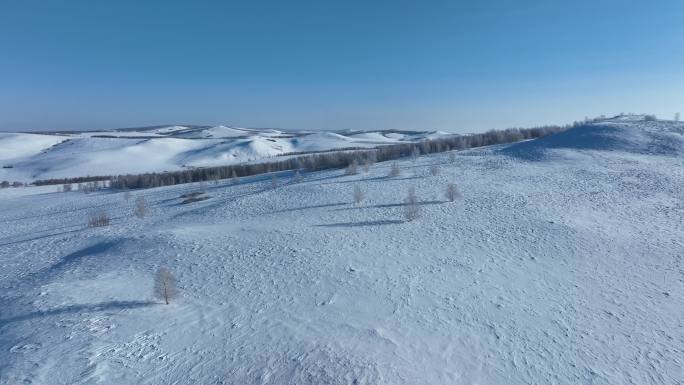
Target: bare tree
{"points": [[98, 219], [234, 178], [358, 194], [366, 166], [411, 206], [352, 168], [395, 170], [452, 192], [141, 208], [165, 285], [415, 152], [434, 170]]}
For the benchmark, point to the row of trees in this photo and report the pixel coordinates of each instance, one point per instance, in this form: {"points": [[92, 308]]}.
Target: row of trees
{"points": [[350, 159]]}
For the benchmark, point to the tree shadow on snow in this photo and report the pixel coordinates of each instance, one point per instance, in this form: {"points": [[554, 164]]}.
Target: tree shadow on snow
{"points": [[72, 309], [309, 207], [362, 224], [388, 205]]}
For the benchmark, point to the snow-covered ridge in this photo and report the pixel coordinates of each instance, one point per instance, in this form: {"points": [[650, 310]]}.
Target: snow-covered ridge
{"points": [[629, 133], [29, 156]]}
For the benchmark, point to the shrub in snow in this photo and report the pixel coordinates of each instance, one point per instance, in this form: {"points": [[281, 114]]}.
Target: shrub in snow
{"points": [[98, 219], [650, 118], [67, 187], [452, 192], [141, 208], [358, 194], [165, 285], [411, 206], [434, 170], [4, 184], [395, 170]]}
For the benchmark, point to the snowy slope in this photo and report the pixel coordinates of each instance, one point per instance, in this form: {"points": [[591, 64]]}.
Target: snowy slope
{"points": [[35, 156], [562, 270]]}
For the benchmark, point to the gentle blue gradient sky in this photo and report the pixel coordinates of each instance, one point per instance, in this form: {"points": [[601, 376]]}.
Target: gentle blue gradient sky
{"points": [[450, 65]]}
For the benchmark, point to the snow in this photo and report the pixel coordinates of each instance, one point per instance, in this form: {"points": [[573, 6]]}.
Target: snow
{"points": [[101, 153], [563, 268]]}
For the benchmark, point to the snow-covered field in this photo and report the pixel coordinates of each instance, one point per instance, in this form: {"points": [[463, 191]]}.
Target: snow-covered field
{"points": [[27, 157], [561, 264]]}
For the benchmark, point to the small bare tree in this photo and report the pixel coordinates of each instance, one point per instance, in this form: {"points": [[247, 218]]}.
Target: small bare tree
{"points": [[395, 170], [434, 170], [234, 178], [415, 153], [358, 194], [366, 166], [98, 219], [298, 176], [452, 192], [352, 168], [141, 208], [165, 285], [411, 206]]}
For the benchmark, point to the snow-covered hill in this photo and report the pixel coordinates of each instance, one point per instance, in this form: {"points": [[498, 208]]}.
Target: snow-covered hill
{"points": [[562, 268], [29, 157]]}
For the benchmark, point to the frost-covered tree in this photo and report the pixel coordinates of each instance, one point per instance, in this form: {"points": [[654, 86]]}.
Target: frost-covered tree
{"points": [[165, 285], [411, 205], [395, 170], [352, 169], [298, 176], [452, 192], [358, 194], [141, 207]]}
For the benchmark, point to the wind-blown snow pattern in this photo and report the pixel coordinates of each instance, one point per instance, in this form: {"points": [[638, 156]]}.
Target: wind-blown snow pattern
{"points": [[29, 157], [564, 268]]}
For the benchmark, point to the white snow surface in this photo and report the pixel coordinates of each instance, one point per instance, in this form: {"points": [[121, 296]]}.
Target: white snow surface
{"points": [[129, 151], [560, 268]]}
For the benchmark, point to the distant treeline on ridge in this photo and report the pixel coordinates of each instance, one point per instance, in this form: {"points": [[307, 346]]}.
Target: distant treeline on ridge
{"points": [[332, 159]]}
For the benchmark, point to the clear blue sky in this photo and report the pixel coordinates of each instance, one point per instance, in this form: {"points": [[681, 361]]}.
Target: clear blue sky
{"points": [[450, 65]]}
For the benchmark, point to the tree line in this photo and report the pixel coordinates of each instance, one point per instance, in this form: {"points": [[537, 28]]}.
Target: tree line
{"points": [[335, 159]]}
